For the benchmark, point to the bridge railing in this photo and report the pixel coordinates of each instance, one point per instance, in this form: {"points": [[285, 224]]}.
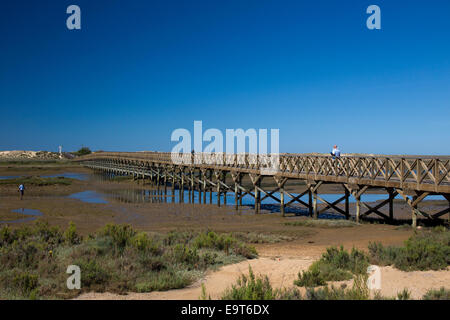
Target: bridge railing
{"points": [[419, 170]]}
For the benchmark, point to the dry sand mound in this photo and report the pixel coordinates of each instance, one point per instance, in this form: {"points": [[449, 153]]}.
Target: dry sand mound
{"points": [[23, 154]]}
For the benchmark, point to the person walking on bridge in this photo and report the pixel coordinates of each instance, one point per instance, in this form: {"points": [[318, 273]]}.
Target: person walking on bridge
{"points": [[21, 191], [335, 153]]}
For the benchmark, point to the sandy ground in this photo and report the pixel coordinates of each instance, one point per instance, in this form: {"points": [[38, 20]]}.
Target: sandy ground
{"points": [[282, 272]]}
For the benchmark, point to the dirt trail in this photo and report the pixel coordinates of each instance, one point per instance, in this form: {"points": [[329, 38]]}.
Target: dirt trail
{"points": [[281, 272]]}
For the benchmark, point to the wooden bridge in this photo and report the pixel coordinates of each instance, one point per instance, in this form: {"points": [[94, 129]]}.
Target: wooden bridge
{"points": [[414, 178]]}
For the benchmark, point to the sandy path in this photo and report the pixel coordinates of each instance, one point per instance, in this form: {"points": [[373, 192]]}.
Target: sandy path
{"points": [[282, 271]]}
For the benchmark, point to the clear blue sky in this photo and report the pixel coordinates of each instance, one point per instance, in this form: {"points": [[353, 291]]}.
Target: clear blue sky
{"points": [[137, 70]]}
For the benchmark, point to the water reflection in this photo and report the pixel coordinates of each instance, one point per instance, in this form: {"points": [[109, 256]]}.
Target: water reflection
{"points": [[89, 196], [149, 194]]}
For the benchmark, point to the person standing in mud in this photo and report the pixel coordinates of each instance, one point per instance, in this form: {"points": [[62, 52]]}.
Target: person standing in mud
{"points": [[21, 191]]}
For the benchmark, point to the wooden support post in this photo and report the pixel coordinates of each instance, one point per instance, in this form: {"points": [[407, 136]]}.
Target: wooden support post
{"points": [[173, 184], [189, 188], [280, 184], [192, 186], [310, 206], [257, 197], [347, 209], [165, 181], [358, 208], [256, 179], [391, 204], [315, 216], [182, 185], [158, 181], [414, 212], [165, 185], [225, 189], [199, 185], [218, 194], [236, 179], [210, 188], [240, 191], [204, 186], [236, 195]]}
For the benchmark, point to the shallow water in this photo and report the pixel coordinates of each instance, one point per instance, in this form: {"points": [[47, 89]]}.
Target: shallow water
{"points": [[89, 196], [8, 177], [28, 212]]}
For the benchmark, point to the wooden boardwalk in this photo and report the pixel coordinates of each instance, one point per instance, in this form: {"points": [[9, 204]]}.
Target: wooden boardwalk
{"points": [[412, 177]]}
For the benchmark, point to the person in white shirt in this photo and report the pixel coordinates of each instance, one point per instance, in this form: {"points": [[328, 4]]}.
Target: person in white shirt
{"points": [[336, 153], [21, 190]]}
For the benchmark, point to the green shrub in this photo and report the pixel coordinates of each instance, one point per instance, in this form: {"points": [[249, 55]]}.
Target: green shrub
{"points": [[25, 282], [310, 278], [359, 291], [225, 242], [404, 295], [211, 239], [184, 254], [429, 250], [246, 251], [164, 280], [121, 234], [92, 274], [203, 295], [336, 264], [250, 288], [6, 236], [70, 235], [355, 262], [153, 263], [143, 243], [434, 294]]}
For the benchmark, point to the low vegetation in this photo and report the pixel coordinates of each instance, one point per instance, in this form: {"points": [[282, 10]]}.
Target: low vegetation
{"points": [[359, 291], [37, 181], [253, 237], [336, 264], [425, 250], [117, 259], [253, 287], [435, 294], [323, 223]]}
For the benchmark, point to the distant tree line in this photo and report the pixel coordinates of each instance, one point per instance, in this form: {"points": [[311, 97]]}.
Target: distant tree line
{"points": [[82, 152]]}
